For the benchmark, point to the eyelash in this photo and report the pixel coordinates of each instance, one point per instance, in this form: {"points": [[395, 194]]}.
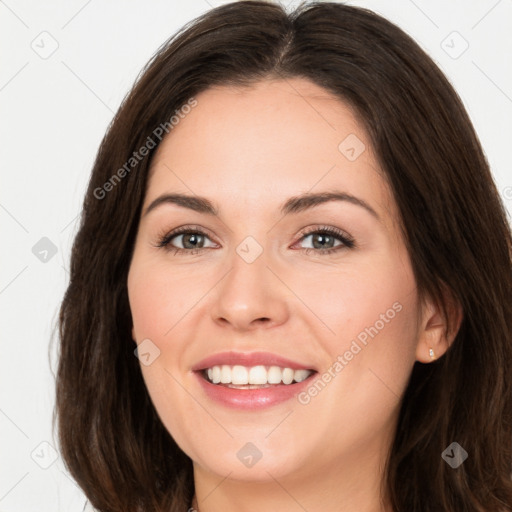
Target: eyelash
{"points": [[347, 241]]}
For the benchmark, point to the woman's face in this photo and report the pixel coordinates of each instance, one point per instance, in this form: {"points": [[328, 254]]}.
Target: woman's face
{"points": [[264, 277]]}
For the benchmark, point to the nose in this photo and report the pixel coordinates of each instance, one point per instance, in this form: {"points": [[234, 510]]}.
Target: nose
{"points": [[250, 296]]}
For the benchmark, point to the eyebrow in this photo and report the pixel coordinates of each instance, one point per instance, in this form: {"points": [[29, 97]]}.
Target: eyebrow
{"points": [[294, 204]]}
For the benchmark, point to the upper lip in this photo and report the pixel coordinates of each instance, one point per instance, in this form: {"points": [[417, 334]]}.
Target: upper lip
{"points": [[249, 359]]}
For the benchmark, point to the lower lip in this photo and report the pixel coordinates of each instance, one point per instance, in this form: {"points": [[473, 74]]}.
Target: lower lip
{"points": [[250, 399]]}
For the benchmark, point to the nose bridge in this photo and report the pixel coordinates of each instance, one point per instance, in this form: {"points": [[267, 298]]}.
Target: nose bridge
{"points": [[247, 283], [250, 292]]}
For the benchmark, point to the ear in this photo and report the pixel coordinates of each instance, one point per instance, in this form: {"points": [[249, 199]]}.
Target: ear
{"points": [[433, 337]]}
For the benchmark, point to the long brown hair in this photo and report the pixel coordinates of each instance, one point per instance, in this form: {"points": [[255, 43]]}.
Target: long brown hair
{"points": [[454, 223]]}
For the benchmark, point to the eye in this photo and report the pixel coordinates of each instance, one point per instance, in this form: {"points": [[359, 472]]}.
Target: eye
{"points": [[323, 240], [192, 240]]}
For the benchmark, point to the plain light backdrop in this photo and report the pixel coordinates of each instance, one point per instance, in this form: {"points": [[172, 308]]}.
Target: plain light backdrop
{"points": [[65, 67]]}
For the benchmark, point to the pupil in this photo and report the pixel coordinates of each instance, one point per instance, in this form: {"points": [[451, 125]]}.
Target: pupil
{"points": [[193, 236], [321, 237]]}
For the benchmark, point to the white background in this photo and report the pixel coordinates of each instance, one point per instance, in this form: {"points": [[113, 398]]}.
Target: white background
{"points": [[54, 113]]}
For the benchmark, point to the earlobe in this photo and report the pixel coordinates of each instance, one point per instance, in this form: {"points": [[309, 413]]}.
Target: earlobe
{"points": [[434, 337]]}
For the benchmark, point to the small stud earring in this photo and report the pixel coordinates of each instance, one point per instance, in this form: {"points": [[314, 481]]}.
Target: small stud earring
{"points": [[431, 353]]}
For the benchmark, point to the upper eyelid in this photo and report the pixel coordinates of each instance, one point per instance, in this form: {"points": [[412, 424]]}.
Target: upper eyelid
{"points": [[304, 232]]}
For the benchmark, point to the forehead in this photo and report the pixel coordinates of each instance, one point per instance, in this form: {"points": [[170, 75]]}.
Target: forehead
{"points": [[264, 143]]}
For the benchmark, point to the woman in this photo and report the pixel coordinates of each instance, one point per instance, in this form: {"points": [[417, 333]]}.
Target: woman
{"points": [[292, 225]]}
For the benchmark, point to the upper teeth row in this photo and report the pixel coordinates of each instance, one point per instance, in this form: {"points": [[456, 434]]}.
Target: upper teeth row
{"points": [[239, 375]]}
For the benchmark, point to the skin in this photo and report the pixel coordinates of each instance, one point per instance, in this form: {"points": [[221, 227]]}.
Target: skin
{"points": [[248, 150]]}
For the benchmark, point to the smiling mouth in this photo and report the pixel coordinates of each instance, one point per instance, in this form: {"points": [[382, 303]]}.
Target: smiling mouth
{"points": [[254, 377]]}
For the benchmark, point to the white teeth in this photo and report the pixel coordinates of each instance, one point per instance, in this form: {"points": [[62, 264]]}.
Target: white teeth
{"points": [[301, 375], [255, 375], [239, 375], [288, 374], [274, 375], [225, 375]]}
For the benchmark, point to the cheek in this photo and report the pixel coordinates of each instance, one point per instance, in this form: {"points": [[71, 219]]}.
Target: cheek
{"points": [[371, 316], [350, 298], [159, 298], [371, 356]]}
